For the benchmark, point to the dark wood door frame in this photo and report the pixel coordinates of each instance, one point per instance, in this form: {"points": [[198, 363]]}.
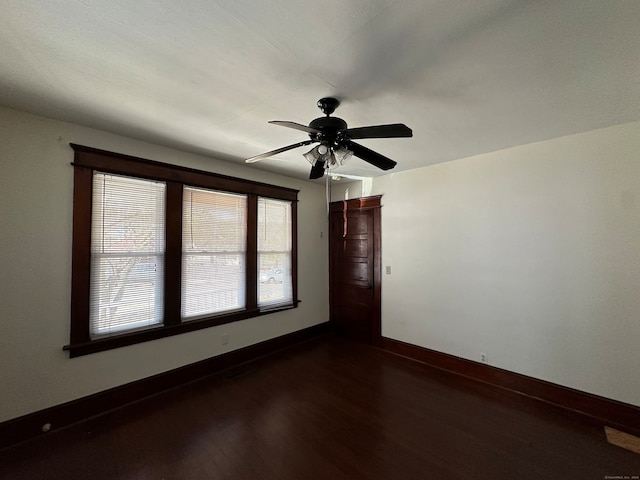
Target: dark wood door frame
{"points": [[374, 205]]}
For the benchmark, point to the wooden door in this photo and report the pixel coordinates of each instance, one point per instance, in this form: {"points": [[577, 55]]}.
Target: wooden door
{"points": [[354, 268]]}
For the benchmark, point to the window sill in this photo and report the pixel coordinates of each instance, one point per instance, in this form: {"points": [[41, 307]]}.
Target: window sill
{"points": [[140, 336]]}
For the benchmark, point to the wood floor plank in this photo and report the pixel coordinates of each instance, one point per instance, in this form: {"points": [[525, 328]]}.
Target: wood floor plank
{"points": [[331, 409], [622, 439]]}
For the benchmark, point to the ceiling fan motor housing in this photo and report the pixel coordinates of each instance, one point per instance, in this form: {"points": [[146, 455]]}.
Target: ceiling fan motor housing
{"points": [[329, 128]]}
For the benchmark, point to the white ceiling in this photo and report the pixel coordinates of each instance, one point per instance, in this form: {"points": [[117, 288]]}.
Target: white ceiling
{"points": [[468, 77]]}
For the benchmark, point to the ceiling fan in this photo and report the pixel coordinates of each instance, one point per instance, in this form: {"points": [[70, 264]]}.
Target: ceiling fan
{"points": [[336, 140]]}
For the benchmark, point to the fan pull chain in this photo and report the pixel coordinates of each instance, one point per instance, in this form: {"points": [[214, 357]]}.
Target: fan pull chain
{"points": [[328, 195], [344, 219]]}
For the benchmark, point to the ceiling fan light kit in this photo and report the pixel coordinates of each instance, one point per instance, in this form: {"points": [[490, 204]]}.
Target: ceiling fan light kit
{"points": [[335, 145]]}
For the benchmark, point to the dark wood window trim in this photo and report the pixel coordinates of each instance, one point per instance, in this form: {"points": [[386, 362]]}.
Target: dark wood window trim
{"points": [[86, 161]]}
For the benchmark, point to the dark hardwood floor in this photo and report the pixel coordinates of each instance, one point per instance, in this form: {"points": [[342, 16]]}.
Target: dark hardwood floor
{"points": [[328, 409]]}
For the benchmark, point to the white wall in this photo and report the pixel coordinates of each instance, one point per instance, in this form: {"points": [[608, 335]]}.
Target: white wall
{"points": [[530, 254], [36, 186], [347, 189]]}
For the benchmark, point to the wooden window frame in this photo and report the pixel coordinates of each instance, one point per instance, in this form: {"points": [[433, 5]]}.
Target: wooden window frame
{"points": [[86, 161]]}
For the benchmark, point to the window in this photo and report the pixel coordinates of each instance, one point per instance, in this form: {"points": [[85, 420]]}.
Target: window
{"points": [[274, 252], [160, 250], [214, 251], [127, 250]]}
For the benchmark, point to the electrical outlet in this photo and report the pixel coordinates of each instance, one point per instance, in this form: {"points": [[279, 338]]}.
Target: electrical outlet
{"points": [[388, 269], [225, 338], [483, 357]]}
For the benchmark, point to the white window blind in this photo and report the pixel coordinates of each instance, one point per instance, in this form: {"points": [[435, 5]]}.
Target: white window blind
{"points": [[127, 254], [214, 250], [274, 252]]}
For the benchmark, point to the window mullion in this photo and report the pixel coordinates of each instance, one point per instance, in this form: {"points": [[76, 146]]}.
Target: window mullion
{"points": [[252, 253], [173, 254]]}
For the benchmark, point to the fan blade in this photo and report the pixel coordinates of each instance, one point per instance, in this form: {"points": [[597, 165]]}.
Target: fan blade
{"points": [[369, 156], [317, 171], [276, 151], [392, 130], [295, 125]]}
